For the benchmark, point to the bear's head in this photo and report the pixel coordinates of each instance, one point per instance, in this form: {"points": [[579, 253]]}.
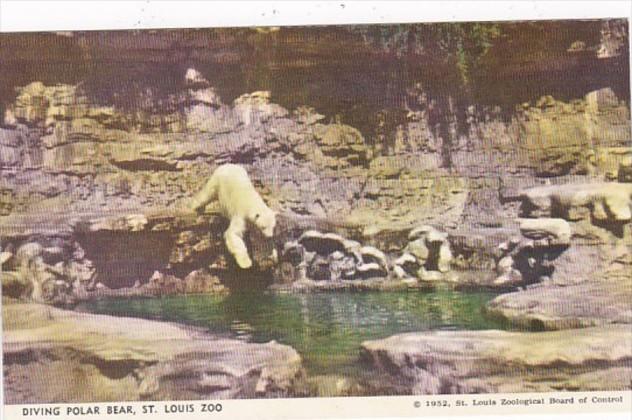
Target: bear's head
{"points": [[265, 220]]}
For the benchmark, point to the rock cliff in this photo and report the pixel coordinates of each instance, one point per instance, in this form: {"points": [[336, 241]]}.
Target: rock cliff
{"points": [[73, 166]]}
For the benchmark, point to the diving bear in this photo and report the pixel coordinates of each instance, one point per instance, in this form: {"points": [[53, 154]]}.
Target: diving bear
{"points": [[238, 200]]}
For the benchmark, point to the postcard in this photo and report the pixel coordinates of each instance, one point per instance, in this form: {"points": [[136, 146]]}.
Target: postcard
{"points": [[360, 220]]}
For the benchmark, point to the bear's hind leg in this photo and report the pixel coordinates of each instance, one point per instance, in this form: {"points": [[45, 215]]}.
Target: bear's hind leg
{"points": [[235, 243], [205, 195]]}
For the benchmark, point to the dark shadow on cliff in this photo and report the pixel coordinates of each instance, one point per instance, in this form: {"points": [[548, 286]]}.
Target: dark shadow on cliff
{"points": [[122, 259], [239, 280]]}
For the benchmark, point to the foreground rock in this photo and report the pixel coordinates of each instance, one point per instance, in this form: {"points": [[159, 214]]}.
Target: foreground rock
{"points": [[53, 355], [459, 362], [551, 308]]}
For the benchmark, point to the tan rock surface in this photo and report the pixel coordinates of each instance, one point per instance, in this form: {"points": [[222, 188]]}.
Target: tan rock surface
{"points": [[104, 358]]}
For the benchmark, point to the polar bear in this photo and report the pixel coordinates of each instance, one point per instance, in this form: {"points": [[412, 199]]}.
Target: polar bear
{"points": [[238, 200]]}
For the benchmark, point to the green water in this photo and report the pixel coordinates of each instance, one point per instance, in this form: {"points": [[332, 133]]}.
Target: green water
{"points": [[325, 328]]}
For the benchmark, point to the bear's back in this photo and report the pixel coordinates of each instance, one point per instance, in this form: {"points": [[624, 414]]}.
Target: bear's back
{"points": [[236, 194]]}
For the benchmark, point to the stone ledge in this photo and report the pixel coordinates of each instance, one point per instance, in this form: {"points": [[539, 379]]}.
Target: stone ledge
{"points": [[499, 361], [105, 358]]}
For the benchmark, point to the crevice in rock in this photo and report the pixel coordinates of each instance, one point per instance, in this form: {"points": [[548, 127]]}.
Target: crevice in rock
{"points": [[145, 164]]}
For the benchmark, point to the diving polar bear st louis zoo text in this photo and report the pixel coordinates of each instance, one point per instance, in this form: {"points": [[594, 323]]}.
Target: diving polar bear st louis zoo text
{"points": [[238, 200]]}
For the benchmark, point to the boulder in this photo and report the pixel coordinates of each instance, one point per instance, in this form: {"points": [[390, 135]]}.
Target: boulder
{"points": [[322, 243], [444, 257], [550, 307], [370, 254], [430, 276], [433, 236], [371, 270], [27, 252], [319, 269], [510, 277], [255, 108], [555, 231], [5, 258], [408, 263], [418, 249], [526, 261], [430, 247], [293, 252], [342, 267], [58, 356], [399, 272], [420, 232], [505, 264], [352, 246], [194, 79], [463, 362]]}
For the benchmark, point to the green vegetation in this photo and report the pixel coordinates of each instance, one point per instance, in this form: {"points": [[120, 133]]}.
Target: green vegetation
{"points": [[453, 45]]}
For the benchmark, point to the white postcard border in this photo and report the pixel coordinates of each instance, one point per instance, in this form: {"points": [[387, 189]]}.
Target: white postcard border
{"points": [[109, 15], [339, 407]]}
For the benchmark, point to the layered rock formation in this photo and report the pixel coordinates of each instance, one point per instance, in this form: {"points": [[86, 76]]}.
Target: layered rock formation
{"points": [[56, 356], [462, 362], [64, 154]]}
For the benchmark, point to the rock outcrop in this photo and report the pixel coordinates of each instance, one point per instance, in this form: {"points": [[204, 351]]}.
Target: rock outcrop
{"points": [[578, 263], [530, 258], [463, 362], [56, 356], [330, 261], [550, 307], [85, 256]]}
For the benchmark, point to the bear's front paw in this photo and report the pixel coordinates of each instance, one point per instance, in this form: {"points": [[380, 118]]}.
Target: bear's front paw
{"points": [[243, 261]]}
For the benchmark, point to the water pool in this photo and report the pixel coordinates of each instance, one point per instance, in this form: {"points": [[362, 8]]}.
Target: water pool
{"points": [[325, 328]]}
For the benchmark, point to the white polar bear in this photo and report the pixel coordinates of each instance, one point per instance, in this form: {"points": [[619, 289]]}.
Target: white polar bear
{"points": [[238, 201]]}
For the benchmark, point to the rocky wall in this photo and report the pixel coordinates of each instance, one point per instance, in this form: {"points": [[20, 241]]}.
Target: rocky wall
{"points": [[67, 157]]}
